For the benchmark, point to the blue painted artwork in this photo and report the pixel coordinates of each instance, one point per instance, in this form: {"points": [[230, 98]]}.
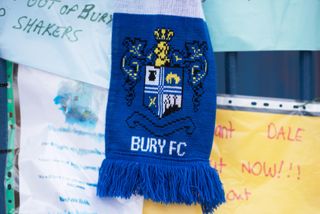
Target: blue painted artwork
{"points": [[77, 103]]}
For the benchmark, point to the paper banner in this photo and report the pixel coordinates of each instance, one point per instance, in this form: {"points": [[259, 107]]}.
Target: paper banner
{"points": [[62, 147], [67, 37], [254, 25], [268, 161]]}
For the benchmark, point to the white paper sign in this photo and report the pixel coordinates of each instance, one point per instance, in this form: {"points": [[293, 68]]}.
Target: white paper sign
{"points": [[71, 38], [62, 147], [263, 25]]}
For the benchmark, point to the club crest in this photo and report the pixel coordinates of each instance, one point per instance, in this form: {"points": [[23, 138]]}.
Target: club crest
{"points": [[163, 89], [165, 71]]}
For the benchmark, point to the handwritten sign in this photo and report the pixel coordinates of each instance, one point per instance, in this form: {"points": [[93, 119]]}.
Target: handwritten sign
{"points": [[38, 26], [72, 38], [254, 25], [61, 147], [268, 162]]}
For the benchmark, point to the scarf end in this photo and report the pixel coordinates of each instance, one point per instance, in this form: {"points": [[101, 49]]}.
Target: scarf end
{"points": [[189, 184]]}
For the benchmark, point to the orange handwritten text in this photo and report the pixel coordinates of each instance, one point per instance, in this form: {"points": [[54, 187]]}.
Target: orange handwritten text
{"points": [[234, 195], [218, 165], [262, 168], [224, 131], [284, 133]]}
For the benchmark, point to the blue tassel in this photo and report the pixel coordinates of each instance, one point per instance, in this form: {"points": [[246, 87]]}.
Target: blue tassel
{"points": [[192, 183]]}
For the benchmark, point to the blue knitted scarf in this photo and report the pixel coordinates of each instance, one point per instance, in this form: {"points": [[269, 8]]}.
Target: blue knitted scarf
{"points": [[161, 112]]}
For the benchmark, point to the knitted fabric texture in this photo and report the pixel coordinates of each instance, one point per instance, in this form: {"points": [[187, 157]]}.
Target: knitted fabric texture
{"points": [[161, 112]]}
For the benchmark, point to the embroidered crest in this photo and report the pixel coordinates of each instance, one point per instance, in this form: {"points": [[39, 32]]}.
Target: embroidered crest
{"points": [[163, 90], [132, 63], [164, 68], [163, 82], [197, 68]]}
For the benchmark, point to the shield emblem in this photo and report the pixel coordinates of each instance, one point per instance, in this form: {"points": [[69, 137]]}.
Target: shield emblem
{"points": [[163, 87]]}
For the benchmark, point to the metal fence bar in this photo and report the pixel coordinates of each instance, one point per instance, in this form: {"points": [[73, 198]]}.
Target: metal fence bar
{"points": [[307, 76], [231, 71]]}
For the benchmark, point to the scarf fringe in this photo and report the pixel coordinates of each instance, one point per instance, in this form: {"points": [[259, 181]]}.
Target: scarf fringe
{"points": [[195, 182]]}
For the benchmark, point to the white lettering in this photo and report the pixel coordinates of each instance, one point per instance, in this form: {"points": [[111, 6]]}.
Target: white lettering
{"points": [[179, 149], [162, 144], [153, 145], [135, 143], [157, 145], [171, 148], [146, 144]]}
